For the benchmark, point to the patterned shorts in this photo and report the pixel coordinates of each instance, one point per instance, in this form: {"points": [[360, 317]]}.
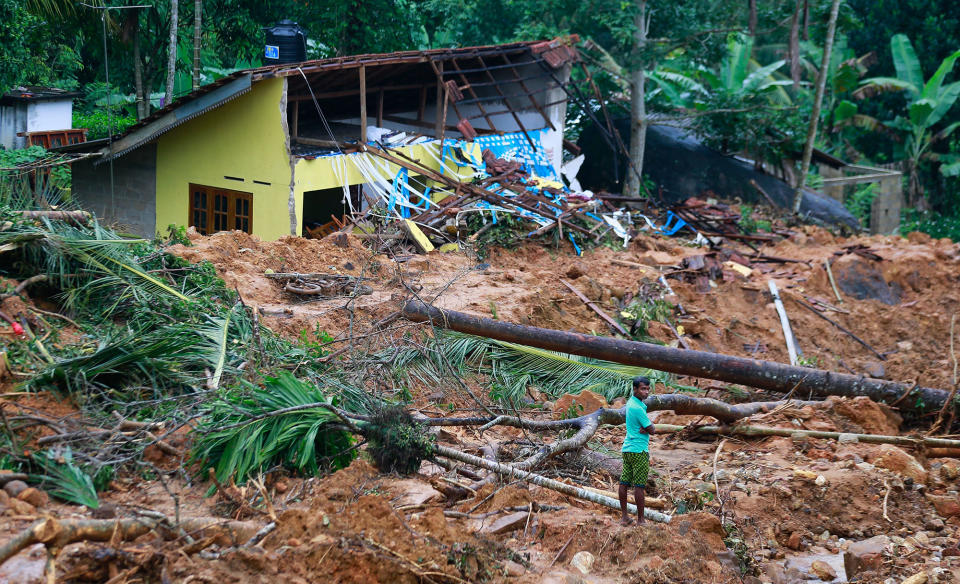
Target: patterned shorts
{"points": [[636, 467]]}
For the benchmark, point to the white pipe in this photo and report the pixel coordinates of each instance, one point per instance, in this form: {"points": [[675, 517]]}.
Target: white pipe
{"points": [[784, 322]]}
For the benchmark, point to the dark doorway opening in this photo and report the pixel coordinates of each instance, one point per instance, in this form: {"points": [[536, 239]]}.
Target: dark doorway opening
{"points": [[324, 210]]}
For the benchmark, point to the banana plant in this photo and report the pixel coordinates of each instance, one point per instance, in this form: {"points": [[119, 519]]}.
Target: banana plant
{"points": [[739, 77], [927, 103]]}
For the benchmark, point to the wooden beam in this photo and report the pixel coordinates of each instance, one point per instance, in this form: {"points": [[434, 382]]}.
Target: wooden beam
{"points": [[527, 91], [441, 100], [479, 101], [380, 110], [422, 124], [423, 104], [363, 104], [355, 91], [295, 127], [863, 178], [323, 143], [506, 102]]}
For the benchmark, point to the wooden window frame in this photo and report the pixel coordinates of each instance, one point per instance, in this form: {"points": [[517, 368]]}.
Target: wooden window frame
{"points": [[222, 209]]}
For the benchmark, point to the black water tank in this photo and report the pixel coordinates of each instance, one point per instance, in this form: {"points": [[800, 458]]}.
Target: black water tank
{"points": [[286, 43]]}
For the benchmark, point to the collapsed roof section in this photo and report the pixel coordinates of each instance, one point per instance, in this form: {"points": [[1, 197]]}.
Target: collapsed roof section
{"points": [[460, 92]]}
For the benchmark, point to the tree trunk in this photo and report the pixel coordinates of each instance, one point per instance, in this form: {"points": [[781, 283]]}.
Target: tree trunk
{"points": [[172, 53], [511, 472], [753, 18], [638, 108], [197, 11], [789, 432], [793, 48], [806, 20], [750, 372], [817, 102], [137, 64]]}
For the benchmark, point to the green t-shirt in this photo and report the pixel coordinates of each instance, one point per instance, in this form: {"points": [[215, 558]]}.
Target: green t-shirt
{"points": [[637, 440]]}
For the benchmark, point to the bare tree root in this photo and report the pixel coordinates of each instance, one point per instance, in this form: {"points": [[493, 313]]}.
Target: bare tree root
{"points": [[56, 534], [586, 425]]}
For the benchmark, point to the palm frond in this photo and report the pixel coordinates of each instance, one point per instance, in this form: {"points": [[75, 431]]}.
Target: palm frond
{"points": [[512, 368], [165, 358], [65, 480], [243, 433], [87, 261]]}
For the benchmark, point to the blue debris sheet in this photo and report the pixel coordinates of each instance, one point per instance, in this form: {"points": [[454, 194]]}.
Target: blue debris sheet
{"points": [[511, 176]]}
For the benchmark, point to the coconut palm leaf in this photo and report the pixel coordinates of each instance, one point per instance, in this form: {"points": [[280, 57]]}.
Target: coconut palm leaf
{"points": [[512, 368], [218, 333], [170, 358], [241, 434], [87, 261], [66, 481]]}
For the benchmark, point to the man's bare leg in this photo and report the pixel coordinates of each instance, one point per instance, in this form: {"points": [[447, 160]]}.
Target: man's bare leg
{"points": [[624, 515], [639, 494]]}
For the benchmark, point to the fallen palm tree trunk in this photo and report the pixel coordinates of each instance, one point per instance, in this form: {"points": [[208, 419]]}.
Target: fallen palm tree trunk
{"points": [[75, 216], [512, 472], [767, 375], [55, 534], [941, 444]]}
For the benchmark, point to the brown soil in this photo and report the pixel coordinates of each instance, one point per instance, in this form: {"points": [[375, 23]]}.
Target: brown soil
{"points": [[777, 497]]}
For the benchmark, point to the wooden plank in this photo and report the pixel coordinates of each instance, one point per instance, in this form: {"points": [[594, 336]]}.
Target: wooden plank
{"points": [[380, 110], [294, 129], [363, 104], [439, 122], [854, 180], [613, 324], [420, 241]]}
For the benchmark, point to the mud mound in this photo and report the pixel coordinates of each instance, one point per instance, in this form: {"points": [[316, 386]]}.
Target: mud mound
{"points": [[241, 259], [352, 534], [689, 549]]}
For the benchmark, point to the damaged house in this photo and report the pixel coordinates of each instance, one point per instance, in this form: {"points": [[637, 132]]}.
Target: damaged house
{"points": [[278, 150]]}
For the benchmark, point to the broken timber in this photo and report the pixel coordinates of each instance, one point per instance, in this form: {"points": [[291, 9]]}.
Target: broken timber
{"points": [[767, 375], [510, 472], [593, 305]]}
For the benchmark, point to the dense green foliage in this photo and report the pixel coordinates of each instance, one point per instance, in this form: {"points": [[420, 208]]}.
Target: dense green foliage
{"points": [[242, 434], [510, 368], [397, 442]]}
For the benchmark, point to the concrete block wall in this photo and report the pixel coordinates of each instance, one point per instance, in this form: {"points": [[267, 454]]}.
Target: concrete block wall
{"points": [[132, 208]]}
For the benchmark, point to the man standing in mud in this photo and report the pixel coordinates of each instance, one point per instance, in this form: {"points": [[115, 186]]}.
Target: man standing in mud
{"points": [[636, 450]]}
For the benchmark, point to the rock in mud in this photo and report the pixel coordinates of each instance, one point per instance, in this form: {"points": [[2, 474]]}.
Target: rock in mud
{"points": [[513, 569], [507, 523], [866, 555], [896, 459], [35, 497], [14, 488], [583, 403], [710, 529], [875, 369], [859, 278], [19, 507], [795, 541], [918, 578], [823, 571], [947, 506], [583, 561]]}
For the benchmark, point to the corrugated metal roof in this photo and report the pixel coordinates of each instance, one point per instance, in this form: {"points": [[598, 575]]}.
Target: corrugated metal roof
{"points": [[174, 116]]}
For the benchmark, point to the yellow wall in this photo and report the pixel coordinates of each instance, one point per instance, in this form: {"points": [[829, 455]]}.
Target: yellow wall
{"points": [[323, 173], [243, 138]]}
